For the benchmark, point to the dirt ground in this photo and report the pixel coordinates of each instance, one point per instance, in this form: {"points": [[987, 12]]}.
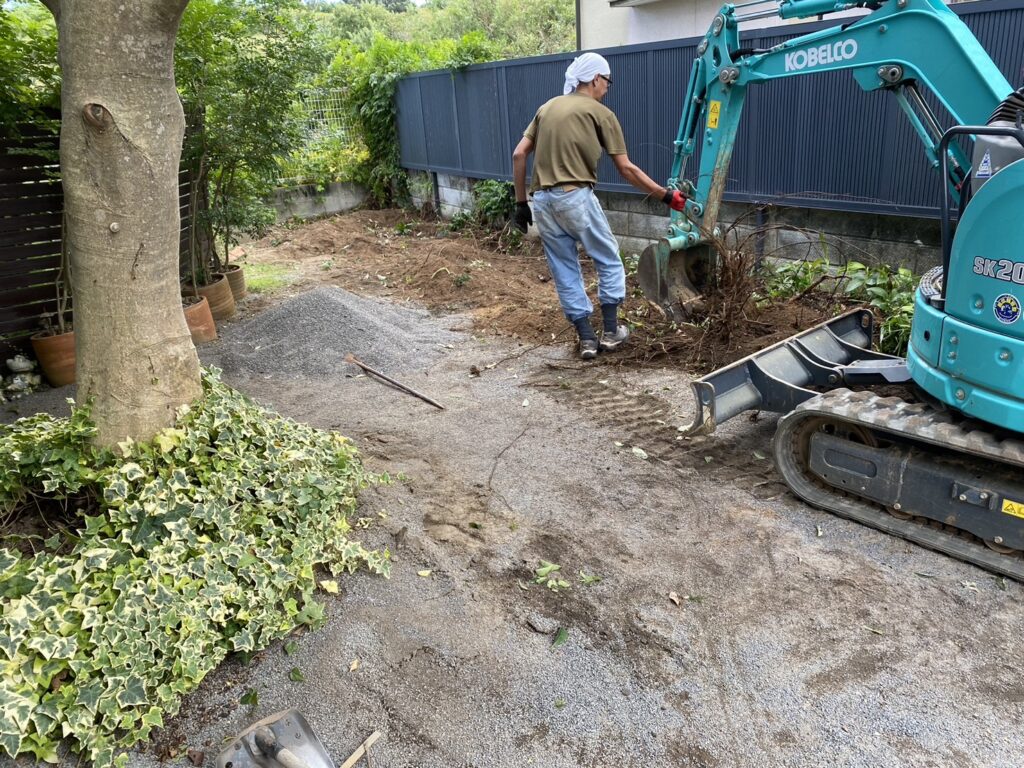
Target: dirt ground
{"points": [[506, 291], [732, 625]]}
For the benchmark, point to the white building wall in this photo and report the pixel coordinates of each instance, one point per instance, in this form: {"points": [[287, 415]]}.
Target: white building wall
{"points": [[602, 26]]}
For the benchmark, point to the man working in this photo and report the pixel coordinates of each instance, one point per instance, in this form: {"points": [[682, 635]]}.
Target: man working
{"points": [[568, 134]]}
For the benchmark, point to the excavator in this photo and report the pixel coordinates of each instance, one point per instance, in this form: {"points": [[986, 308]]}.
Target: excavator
{"points": [[942, 466]]}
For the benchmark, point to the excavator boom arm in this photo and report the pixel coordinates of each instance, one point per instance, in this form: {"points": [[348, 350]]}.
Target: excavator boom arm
{"points": [[899, 46]]}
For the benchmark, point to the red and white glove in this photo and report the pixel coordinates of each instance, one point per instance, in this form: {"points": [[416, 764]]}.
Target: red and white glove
{"points": [[674, 199]]}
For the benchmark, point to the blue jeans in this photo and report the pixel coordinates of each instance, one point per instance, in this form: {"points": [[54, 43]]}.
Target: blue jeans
{"points": [[565, 219]]}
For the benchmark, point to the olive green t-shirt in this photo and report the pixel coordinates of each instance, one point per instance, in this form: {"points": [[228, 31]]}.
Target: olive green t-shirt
{"points": [[568, 133]]}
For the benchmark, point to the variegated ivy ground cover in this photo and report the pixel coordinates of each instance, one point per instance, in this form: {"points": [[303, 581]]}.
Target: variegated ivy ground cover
{"points": [[199, 544]]}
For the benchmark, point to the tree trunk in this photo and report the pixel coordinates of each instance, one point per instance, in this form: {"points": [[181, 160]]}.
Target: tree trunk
{"points": [[120, 148]]}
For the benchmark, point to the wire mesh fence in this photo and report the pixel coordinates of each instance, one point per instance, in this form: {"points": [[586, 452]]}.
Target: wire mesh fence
{"points": [[330, 138], [325, 114]]}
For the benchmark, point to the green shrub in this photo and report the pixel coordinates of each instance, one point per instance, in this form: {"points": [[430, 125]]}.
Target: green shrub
{"points": [[202, 543], [326, 160], [891, 293], [369, 76], [786, 279], [494, 202]]}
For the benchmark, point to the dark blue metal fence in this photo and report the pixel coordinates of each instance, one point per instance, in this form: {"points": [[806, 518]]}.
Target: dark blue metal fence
{"points": [[817, 141]]}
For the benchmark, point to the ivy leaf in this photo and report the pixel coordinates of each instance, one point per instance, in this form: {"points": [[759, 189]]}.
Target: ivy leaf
{"points": [[561, 636], [329, 586], [296, 676], [290, 648], [10, 743], [132, 471], [250, 698], [132, 693], [154, 717], [15, 712]]}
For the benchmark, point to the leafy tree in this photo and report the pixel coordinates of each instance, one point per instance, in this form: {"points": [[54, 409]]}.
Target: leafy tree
{"points": [[29, 75], [514, 27], [359, 22], [241, 64], [370, 78]]}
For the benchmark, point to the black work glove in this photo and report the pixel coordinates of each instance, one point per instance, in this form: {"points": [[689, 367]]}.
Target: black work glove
{"points": [[523, 217]]}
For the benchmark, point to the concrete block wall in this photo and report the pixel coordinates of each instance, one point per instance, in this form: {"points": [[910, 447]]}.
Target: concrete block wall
{"points": [[453, 194], [789, 233], [307, 201], [421, 189]]}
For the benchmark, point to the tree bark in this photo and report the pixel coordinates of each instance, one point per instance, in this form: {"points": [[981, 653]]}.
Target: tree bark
{"points": [[120, 149]]}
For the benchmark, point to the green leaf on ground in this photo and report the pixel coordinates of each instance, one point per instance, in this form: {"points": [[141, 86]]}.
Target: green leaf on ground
{"points": [[561, 636]]}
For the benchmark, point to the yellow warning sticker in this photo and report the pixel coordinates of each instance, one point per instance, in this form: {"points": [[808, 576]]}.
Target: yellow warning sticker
{"points": [[714, 110], [1015, 508]]}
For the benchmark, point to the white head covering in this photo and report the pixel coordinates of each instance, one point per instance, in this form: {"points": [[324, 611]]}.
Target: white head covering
{"points": [[585, 68]]}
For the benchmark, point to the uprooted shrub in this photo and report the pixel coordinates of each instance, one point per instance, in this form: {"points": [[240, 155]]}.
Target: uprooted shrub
{"points": [[202, 543]]}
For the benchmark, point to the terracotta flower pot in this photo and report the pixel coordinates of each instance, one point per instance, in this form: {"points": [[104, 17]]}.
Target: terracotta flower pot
{"points": [[199, 319], [236, 279], [56, 356], [218, 293]]}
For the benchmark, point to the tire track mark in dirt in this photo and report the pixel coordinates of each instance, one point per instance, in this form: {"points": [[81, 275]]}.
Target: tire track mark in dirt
{"points": [[641, 419]]}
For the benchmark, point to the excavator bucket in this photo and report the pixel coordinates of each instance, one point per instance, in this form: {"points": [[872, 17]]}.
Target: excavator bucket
{"points": [[833, 354], [675, 278]]}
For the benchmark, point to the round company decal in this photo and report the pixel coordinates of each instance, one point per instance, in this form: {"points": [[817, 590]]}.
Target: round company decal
{"points": [[1007, 308]]}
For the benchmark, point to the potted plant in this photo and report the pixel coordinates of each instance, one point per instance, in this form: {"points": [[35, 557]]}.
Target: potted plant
{"points": [[214, 286], [199, 319], [236, 279], [54, 346]]}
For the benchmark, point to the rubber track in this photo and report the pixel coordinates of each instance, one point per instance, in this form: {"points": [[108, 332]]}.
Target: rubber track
{"points": [[912, 422], [645, 421]]}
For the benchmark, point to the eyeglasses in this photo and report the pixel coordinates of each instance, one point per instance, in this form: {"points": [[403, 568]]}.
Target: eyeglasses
{"points": [[606, 79]]}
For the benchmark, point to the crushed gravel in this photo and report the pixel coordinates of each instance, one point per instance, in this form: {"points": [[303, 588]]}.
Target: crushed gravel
{"points": [[311, 333]]}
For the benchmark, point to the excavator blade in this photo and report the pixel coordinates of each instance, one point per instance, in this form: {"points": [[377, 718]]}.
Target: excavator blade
{"points": [[675, 278], [833, 354]]}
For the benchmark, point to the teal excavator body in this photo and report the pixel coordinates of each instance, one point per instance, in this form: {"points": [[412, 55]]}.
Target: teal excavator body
{"points": [[967, 350], [916, 466]]}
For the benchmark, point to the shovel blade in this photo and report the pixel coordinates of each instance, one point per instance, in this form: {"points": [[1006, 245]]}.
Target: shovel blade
{"points": [[292, 732]]}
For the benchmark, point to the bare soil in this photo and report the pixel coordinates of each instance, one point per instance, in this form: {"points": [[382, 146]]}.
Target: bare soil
{"points": [[732, 625], [508, 291]]}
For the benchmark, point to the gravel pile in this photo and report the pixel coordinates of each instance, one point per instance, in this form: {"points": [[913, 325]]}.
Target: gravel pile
{"points": [[311, 333]]}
